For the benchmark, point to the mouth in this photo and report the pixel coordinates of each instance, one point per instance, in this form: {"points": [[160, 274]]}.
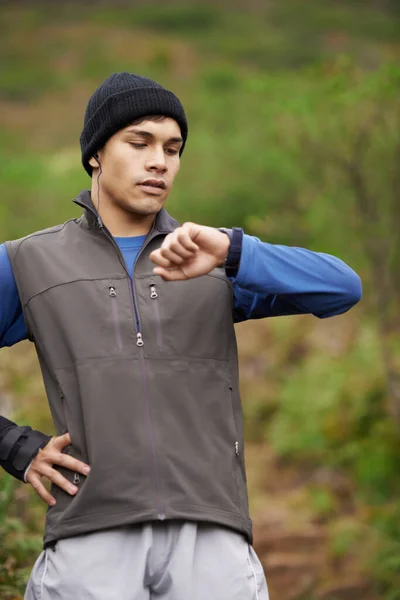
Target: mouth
{"points": [[154, 185]]}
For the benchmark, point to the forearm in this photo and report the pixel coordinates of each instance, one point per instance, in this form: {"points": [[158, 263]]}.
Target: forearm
{"points": [[291, 280]]}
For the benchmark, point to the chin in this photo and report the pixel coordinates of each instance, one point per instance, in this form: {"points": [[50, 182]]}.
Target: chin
{"points": [[147, 206]]}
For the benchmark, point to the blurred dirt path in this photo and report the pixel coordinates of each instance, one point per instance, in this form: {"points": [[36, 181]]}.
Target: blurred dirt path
{"points": [[292, 546]]}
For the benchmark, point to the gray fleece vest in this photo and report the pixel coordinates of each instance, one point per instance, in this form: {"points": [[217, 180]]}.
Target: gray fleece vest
{"points": [[142, 373]]}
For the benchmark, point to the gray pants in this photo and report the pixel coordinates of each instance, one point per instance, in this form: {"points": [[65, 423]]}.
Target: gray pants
{"points": [[172, 560]]}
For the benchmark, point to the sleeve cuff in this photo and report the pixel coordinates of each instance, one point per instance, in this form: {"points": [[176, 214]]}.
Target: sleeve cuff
{"points": [[27, 469], [248, 246]]}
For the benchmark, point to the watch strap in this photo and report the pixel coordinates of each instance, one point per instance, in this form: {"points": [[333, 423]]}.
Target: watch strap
{"points": [[232, 261]]}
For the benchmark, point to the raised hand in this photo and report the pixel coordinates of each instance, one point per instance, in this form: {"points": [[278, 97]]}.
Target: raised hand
{"points": [[190, 251]]}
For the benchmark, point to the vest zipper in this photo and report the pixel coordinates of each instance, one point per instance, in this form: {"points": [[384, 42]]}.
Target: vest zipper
{"points": [[154, 296], [140, 343]]}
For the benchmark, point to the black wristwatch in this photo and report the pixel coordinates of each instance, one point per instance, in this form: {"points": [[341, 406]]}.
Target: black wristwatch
{"points": [[232, 261]]}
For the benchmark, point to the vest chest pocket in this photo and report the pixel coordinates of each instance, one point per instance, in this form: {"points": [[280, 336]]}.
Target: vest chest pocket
{"points": [[190, 318], [85, 319], [155, 304], [115, 315]]}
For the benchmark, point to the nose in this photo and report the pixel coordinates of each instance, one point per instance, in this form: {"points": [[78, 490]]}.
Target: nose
{"points": [[156, 161]]}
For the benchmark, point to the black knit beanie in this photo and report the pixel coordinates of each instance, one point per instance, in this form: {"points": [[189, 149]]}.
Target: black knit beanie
{"points": [[121, 99]]}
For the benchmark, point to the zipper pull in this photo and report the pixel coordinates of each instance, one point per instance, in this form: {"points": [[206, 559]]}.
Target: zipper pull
{"points": [[112, 291], [237, 448], [76, 478], [140, 341], [153, 293]]}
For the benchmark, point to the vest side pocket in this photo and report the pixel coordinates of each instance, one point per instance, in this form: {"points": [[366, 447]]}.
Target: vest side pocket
{"points": [[236, 449], [72, 476], [67, 449]]}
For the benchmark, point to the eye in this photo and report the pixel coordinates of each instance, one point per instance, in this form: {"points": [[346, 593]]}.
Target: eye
{"points": [[137, 145], [172, 152]]}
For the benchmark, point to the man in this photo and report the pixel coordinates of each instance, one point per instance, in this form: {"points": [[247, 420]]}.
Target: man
{"points": [[132, 318]]}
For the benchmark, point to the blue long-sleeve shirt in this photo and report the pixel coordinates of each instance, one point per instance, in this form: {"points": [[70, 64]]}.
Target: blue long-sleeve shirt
{"points": [[272, 280]]}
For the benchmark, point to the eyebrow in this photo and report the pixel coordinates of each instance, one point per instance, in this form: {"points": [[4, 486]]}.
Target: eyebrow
{"points": [[150, 135]]}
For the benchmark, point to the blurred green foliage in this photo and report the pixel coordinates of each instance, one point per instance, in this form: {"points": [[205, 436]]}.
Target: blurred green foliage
{"points": [[294, 134], [20, 542]]}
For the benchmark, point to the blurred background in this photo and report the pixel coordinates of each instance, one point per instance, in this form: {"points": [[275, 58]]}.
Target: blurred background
{"points": [[294, 135]]}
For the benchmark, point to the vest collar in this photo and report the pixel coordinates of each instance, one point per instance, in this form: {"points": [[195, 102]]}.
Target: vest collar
{"points": [[164, 223]]}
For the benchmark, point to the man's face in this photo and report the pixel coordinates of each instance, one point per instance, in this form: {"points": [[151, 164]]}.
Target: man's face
{"points": [[135, 154]]}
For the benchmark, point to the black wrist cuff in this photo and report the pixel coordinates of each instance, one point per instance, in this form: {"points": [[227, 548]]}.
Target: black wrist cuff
{"points": [[18, 446]]}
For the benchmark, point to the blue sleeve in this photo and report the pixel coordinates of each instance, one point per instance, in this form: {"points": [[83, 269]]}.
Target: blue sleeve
{"points": [[276, 280], [12, 323]]}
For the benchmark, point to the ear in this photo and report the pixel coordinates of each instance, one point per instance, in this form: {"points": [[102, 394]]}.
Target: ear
{"points": [[93, 162]]}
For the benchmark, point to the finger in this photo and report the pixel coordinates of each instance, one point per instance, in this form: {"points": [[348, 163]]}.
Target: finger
{"points": [[170, 274], [182, 245], [161, 260], [39, 488], [181, 251], [62, 482], [62, 440], [71, 463], [186, 241], [171, 255]]}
